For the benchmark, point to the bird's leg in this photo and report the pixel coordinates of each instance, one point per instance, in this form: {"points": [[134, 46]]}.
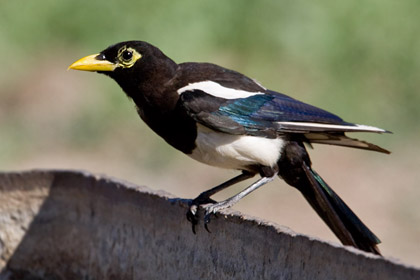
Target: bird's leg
{"points": [[212, 209], [204, 197]]}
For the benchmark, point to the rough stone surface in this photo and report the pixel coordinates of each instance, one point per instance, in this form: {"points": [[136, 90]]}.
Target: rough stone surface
{"points": [[74, 225]]}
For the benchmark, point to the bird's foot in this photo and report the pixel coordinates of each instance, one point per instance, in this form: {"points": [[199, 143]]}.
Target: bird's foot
{"points": [[212, 209], [193, 211]]}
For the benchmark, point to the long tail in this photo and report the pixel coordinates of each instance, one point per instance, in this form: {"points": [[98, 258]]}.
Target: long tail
{"points": [[337, 215], [295, 169]]}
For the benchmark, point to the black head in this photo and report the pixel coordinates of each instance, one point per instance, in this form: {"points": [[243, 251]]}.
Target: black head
{"points": [[132, 64]]}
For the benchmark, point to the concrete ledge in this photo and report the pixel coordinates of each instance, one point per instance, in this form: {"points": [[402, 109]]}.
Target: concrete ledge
{"points": [[74, 225]]}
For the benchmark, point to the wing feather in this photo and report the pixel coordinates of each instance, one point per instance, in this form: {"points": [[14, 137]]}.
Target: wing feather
{"points": [[270, 115]]}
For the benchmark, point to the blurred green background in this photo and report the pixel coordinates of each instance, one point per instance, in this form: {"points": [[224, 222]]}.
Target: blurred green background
{"points": [[359, 59]]}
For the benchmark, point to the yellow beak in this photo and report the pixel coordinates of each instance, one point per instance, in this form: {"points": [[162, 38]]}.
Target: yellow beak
{"points": [[92, 63]]}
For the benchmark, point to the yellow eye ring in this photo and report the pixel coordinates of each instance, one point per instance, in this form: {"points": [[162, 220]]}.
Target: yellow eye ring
{"points": [[127, 57]]}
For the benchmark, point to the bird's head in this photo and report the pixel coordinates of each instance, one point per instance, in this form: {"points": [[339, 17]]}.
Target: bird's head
{"points": [[132, 64]]}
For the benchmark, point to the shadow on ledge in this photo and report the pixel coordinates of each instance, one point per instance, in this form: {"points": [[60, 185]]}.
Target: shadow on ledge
{"points": [[74, 225]]}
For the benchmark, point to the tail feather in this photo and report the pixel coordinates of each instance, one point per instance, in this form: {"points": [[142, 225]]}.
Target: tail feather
{"points": [[338, 139], [295, 168], [336, 214]]}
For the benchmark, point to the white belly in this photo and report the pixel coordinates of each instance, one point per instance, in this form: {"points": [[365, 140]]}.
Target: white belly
{"points": [[235, 151]]}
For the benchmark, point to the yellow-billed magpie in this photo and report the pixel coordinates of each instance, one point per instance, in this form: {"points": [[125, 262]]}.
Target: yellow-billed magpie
{"points": [[225, 119]]}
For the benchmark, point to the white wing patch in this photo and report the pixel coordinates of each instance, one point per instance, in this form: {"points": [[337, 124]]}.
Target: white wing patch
{"points": [[218, 90], [331, 127]]}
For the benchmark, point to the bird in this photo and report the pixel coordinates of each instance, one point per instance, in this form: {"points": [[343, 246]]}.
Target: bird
{"points": [[225, 119]]}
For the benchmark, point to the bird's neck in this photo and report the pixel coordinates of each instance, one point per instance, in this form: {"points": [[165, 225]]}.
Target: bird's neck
{"points": [[149, 89], [156, 98]]}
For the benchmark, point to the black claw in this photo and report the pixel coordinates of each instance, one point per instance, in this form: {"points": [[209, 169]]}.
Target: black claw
{"points": [[192, 214], [193, 220], [207, 228], [207, 220]]}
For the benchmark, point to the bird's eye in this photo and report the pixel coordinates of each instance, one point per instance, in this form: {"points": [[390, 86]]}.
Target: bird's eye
{"points": [[127, 55]]}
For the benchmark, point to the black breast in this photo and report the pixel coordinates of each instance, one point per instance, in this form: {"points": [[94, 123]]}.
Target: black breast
{"points": [[175, 127]]}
